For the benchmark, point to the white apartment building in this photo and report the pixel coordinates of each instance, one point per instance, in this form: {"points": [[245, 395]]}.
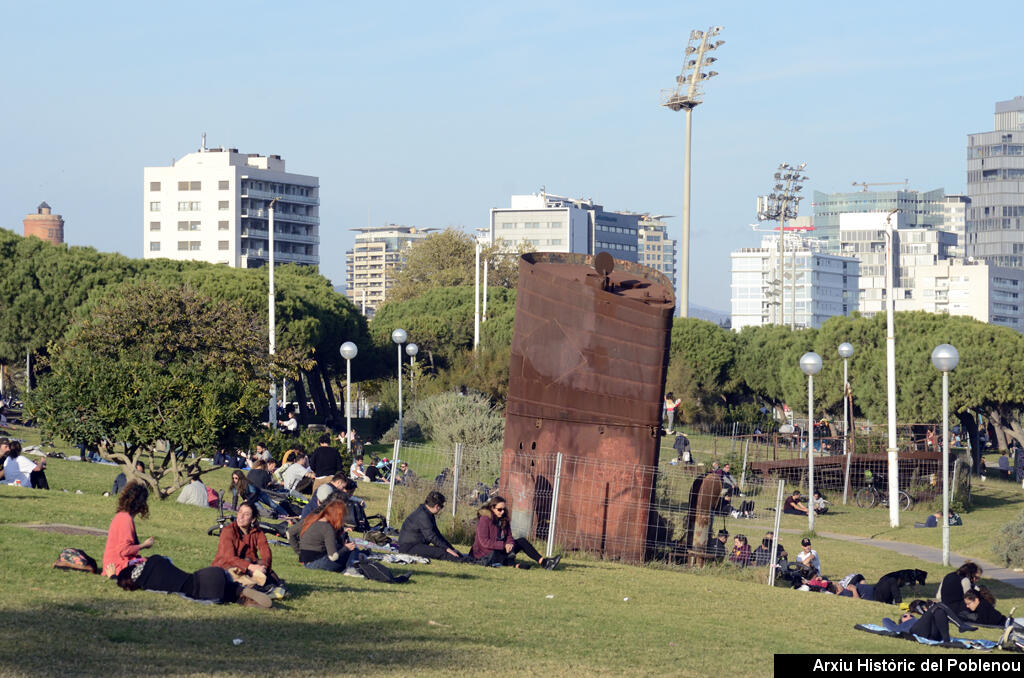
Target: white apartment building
{"points": [[212, 205], [654, 247], [991, 294], [862, 235], [954, 220], [552, 223], [825, 284], [371, 263]]}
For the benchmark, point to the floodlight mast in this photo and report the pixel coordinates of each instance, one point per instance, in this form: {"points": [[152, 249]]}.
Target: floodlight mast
{"points": [[781, 204], [685, 97]]}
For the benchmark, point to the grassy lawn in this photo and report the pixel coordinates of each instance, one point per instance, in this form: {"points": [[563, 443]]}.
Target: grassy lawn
{"points": [[451, 619]]}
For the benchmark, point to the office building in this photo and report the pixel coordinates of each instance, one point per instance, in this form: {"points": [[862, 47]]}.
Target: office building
{"points": [[826, 284], [654, 247], [920, 209], [213, 205], [863, 236], [552, 223], [954, 220], [995, 185], [370, 265], [991, 294], [45, 225]]}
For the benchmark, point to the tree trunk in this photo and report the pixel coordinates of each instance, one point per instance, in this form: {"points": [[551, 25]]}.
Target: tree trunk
{"points": [[995, 416], [300, 396], [969, 424], [316, 392], [1015, 431], [332, 414]]}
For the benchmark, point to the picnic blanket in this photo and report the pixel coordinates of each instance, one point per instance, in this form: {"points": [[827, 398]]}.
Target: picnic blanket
{"points": [[956, 643]]}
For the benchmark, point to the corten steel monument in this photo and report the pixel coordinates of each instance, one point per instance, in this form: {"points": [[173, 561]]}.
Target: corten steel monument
{"points": [[586, 379]]}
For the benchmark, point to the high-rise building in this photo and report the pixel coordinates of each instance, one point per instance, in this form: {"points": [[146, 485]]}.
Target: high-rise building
{"points": [[954, 220], [552, 223], [991, 294], [920, 209], [995, 185], [213, 205], [826, 284], [862, 235], [654, 247], [45, 225], [371, 264]]}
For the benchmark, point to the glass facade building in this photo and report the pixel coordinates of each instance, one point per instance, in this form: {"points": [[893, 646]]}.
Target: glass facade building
{"points": [[921, 209]]}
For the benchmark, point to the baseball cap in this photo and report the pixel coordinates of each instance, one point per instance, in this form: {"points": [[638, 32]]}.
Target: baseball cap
{"points": [[805, 542]]}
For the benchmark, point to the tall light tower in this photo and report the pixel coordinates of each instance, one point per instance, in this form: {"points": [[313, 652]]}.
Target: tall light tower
{"points": [[781, 204], [685, 97]]}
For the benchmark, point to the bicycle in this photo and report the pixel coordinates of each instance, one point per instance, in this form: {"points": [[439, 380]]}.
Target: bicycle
{"points": [[868, 497]]}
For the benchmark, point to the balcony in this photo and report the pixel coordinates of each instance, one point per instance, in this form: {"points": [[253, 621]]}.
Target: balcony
{"points": [[251, 213], [270, 195], [263, 234], [279, 257]]}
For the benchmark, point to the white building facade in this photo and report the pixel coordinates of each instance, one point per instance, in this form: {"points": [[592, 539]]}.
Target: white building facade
{"points": [[825, 285], [991, 294], [655, 248], [372, 262], [552, 223], [212, 205]]}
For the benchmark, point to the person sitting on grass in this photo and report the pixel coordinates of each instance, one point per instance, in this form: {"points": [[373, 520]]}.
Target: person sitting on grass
{"points": [[741, 554], [935, 619], [158, 573], [716, 549], [762, 554], [296, 476], [793, 506], [820, 503], [320, 541], [121, 480], [964, 580], [419, 535], [808, 556], [24, 472], [194, 493], [356, 471], [259, 481], [243, 551], [494, 544], [122, 540]]}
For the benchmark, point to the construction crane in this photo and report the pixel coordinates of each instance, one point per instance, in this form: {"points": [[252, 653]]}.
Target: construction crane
{"points": [[905, 182]]}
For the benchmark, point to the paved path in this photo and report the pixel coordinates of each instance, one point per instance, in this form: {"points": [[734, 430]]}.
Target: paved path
{"points": [[932, 555]]}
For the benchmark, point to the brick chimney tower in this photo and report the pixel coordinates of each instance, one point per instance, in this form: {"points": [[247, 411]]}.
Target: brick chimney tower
{"points": [[44, 225]]}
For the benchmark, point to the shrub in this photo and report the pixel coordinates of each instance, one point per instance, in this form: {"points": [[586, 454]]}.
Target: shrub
{"points": [[449, 418], [1009, 543]]}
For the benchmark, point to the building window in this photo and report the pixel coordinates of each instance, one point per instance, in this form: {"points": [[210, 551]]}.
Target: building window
{"points": [[154, 185], [154, 207], [183, 245], [189, 185], [222, 244], [222, 225], [189, 225], [194, 245], [222, 185], [154, 247], [222, 204], [154, 225], [188, 206]]}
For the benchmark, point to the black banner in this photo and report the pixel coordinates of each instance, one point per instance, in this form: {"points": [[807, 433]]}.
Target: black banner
{"points": [[899, 664]]}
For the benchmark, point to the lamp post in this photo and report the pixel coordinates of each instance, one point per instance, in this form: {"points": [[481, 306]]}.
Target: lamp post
{"points": [[945, 359], [348, 351], [810, 363], [476, 298], [685, 97], [399, 336], [271, 318], [890, 373], [411, 350], [846, 352], [781, 204]]}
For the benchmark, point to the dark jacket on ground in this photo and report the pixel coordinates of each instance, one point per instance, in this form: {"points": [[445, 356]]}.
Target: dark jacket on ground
{"points": [[421, 528], [209, 583]]}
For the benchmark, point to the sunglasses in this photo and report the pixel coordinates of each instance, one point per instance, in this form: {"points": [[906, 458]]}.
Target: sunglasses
{"points": [[502, 509]]}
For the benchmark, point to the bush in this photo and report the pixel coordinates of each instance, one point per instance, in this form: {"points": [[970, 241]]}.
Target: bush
{"points": [[1009, 543], [449, 418]]}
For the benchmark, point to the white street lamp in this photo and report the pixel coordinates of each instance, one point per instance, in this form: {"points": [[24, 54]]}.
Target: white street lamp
{"points": [[348, 351], [399, 336], [846, 352], [411, 350], [271, 316], [810, 363], [945, 359], [686, 96], [890, 371]]}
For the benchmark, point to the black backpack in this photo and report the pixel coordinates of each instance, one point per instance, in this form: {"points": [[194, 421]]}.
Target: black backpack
{"points": [[377, 571]]}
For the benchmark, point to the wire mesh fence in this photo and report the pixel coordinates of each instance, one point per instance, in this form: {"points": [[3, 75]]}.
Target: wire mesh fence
{"points": [[635, 512]]}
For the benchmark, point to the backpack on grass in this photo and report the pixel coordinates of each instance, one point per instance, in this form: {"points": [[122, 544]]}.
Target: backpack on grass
{"points": [[76, 559], [372, 569]]}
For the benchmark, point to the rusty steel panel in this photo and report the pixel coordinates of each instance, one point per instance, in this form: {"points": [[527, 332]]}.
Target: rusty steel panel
{"points": [[586, 378]]}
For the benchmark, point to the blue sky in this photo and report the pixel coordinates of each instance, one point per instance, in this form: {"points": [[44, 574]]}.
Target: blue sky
{"points": [[428, 114]]}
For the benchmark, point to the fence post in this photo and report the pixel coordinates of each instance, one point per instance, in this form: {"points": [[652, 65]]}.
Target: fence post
{"points": [[743, 471], [773, 561], [732, 445], [554, 506], [455, 480], [846, 481], [956, 468], [391, 483]]}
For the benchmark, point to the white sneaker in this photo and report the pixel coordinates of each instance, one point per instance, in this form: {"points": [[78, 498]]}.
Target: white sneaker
{"points": [[353, 572]]}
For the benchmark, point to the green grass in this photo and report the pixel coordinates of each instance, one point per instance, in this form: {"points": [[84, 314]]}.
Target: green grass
{"points": [[451, 619]]}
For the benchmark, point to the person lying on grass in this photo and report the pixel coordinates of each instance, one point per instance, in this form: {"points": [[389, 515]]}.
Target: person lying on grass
{"points": [[494, 544], [935, 619], [158, 573], [321, 542]]}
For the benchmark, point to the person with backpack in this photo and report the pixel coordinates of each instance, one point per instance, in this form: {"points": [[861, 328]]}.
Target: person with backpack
{"points": [[494, 544]]}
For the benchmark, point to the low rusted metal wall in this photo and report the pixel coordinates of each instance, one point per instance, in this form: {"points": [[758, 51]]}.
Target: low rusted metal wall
{"points": [[586, 379]]}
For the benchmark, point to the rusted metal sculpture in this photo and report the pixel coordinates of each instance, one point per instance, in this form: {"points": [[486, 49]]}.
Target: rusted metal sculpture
{"points": [[586, 379], [704, 497]]}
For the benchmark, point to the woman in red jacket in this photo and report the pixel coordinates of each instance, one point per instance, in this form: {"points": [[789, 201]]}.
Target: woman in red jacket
{"points": [[122, 542], [494, 545], [243, 547]]}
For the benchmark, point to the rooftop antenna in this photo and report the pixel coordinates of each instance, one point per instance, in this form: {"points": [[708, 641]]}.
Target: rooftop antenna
{"points": [[202, 146]]}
